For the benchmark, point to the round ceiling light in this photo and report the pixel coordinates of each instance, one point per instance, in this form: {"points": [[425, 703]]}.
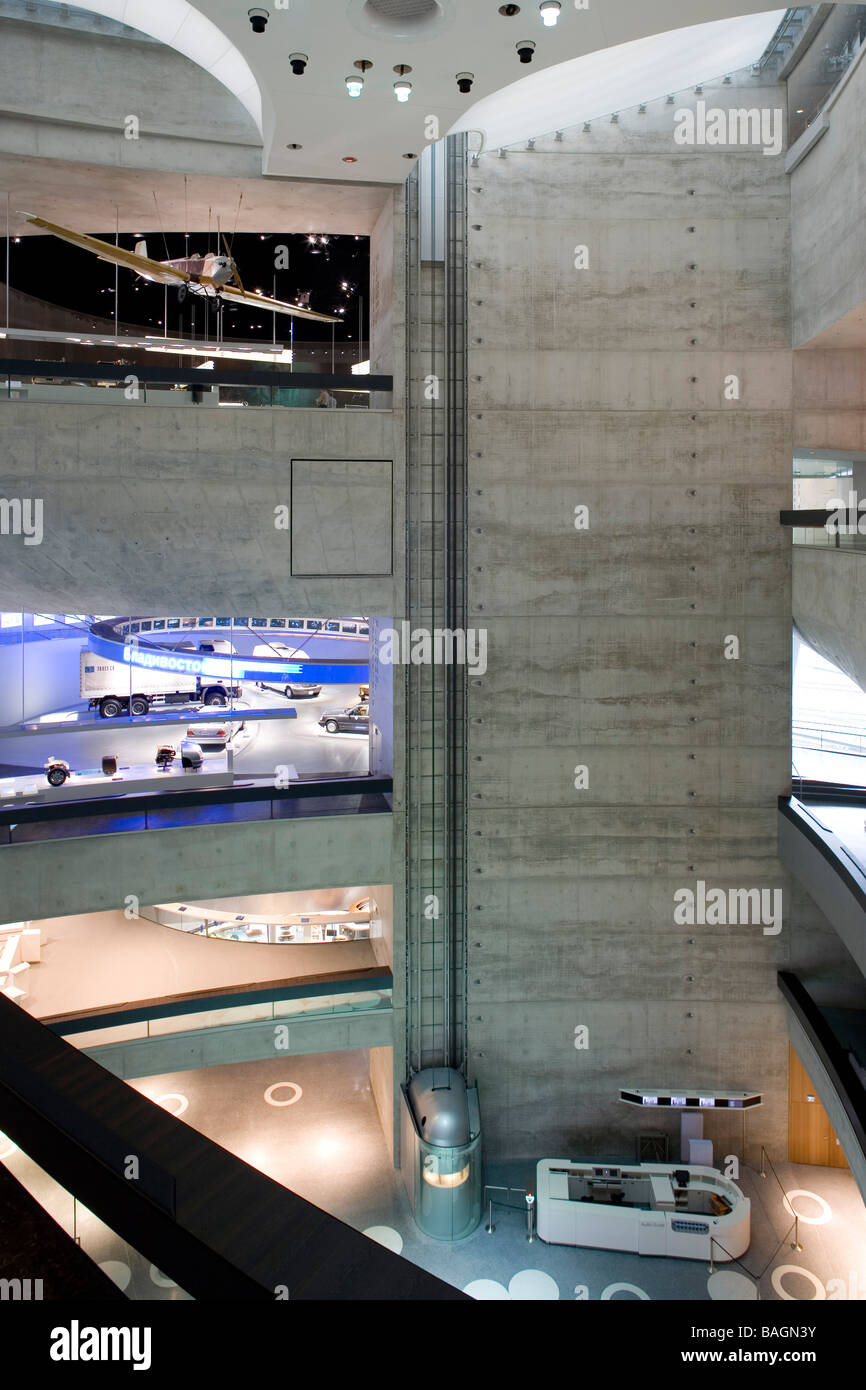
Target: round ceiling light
{"points": [[401, 19]]}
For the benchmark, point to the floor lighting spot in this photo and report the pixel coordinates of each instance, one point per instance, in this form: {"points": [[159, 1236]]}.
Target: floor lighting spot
{"points": [[387, 1236], [533, 1284], [278, 1085], [118, 1272], [779, 1274], [486, 1290], [729, 1286], [161, 1280], [825, 1215], [173, 1096], [608, 1293]]}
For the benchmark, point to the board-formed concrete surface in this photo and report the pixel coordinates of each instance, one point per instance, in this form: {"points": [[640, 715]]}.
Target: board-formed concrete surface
{"points": [[615, 755]]}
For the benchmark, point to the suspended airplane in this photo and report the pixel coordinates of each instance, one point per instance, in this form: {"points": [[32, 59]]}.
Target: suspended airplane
{"points": [[215, 276]]}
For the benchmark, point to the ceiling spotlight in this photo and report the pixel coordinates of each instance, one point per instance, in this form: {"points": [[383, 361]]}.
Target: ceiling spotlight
{"points": [[406, 156], [347, 159], [525, 50], [294, 147], [509, 10], [354, 86], [299, 62], [464, 81], [259, 20], [549, 11], [402, 89]]}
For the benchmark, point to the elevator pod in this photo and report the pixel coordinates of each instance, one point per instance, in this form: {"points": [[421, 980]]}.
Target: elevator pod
{"points": [[441, 1152]]}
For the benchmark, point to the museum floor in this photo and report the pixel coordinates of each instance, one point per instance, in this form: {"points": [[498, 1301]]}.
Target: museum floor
{"points": [[326, 1144]]}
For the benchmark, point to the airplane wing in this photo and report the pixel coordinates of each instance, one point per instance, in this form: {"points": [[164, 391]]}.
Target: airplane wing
{"points": [[276, 306], [142, 265]]}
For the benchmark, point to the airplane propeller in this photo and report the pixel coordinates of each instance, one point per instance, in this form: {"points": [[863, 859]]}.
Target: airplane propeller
{"points": [[235, 272]]}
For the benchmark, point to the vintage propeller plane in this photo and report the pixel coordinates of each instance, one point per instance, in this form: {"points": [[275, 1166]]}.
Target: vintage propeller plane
{"points": [[213, 275]]}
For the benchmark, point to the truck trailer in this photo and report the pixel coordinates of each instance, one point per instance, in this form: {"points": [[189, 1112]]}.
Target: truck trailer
{"points": [[105, 684]]}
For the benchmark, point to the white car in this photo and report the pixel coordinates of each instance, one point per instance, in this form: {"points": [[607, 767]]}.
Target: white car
{"points": [[213, 737]]}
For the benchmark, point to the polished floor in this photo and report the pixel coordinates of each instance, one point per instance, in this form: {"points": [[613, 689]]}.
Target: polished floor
{"points": [[312, 1124]]}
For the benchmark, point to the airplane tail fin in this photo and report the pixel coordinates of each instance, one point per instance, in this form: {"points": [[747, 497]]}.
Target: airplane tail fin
{"points": [[141, 248]]}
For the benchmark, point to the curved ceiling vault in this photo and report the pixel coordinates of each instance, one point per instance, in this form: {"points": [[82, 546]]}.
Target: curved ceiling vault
{"points": [[602, 55]]}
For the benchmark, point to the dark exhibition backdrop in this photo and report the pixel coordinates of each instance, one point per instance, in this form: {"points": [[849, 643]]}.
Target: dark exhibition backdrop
{"points": [[334, 270]]}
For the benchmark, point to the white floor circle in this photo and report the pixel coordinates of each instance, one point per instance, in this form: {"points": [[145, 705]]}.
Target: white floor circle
{"points": [[730, 1286], [387, 1236], [278, 1085], [182, 1102], [118, 1272], [611, 1289], [161, 1280], [826, 1213], [7, 1148], [533, 1284], [486, 1290], [778, 1275]]}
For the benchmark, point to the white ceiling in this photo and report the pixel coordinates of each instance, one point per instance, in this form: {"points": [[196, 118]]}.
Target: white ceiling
{"points": [[315, 111]]}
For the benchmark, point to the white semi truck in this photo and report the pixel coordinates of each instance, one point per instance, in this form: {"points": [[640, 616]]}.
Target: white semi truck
{"points": [[105, 684]]}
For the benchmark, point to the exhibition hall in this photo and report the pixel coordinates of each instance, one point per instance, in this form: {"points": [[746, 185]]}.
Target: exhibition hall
{"points": [[433, 864]]}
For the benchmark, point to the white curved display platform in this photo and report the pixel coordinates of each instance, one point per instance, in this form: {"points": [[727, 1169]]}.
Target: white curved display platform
{"points": [[644, 1208]]}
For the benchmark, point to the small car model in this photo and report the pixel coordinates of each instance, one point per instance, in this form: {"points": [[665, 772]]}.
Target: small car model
{"points": [[56, 771], [165, 756], [364, 690], [191, 755], [354, 720], [293, 690]]}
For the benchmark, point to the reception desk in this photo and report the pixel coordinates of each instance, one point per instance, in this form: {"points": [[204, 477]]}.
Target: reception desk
{"points": [[644, 1208]]}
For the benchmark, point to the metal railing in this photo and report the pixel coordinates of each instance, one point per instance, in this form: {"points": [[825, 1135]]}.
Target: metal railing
{"points": [[164, 809], [25, 378]]}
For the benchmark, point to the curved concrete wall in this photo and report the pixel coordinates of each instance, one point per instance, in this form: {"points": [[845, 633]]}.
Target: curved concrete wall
{"points": [[829, 588], [828, 252], [187, 119]]}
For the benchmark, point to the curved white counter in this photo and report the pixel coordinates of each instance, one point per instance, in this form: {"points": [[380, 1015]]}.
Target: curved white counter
{"points": [[645, 1208]]}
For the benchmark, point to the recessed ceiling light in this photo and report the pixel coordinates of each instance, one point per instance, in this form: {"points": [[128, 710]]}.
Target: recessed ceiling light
{"points": [[549, 11], [509, 10], [406, 156], [349, 159], [294, 147]]}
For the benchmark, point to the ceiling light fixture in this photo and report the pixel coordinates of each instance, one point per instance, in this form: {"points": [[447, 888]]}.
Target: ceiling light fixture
{"points": [[464, 81], [299, 62], [259, 20], [525, 50], [402, 89], [347, 159], [549, 11], [509, 10], [354, 86]]}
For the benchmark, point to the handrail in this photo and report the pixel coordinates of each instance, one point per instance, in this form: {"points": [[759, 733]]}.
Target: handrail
{"points": [[817, 837], [813, 517], [362, 979], [360, 785], [193, 375], [833, 1057]]}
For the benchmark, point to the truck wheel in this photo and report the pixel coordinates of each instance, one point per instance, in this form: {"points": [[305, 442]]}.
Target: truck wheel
{"points": [[110, 707], [332, 726], [215, 697], [139, 704]]}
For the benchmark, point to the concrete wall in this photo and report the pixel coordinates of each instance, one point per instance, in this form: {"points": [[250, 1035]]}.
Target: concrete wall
{"points": [[828, 252], [828, 602], [95, 81], [604, 387], [382, 1086], [53, 878], [145, 504]]}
